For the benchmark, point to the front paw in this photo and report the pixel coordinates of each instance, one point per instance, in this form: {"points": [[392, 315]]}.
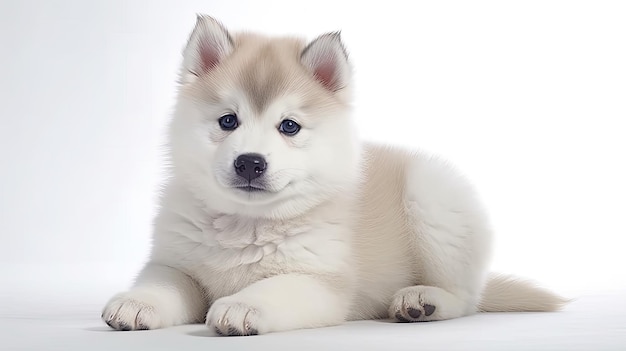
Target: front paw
{"points": [[232, 318], [132, 311]]}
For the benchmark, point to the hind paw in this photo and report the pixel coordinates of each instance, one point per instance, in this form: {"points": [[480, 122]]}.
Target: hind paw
{"points": [[424, 303], [406, 313], [412, 311]]}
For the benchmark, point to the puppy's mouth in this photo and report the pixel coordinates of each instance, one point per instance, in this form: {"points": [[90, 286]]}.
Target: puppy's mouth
{"points": [[259, 187], [256, 186], [251, 188]]}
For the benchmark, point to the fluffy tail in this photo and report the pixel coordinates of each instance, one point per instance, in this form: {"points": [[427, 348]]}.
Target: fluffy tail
{"points": [[504, 293]]}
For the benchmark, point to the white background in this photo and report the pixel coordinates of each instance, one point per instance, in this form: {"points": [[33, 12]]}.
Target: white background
{"points": [[527, 97]]}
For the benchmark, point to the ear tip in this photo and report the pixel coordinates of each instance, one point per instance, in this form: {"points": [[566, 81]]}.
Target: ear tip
{"points": [[332, 38], [210, 22], [204, 18], [336, 35]]}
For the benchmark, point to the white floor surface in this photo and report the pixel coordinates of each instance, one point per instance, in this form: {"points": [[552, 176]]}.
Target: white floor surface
{"points": [[62, 313]]}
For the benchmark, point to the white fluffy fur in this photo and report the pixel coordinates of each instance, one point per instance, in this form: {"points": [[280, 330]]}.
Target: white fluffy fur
{"points": [[344, 230]]}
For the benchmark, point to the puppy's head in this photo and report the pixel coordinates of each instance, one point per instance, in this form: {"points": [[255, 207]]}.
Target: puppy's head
{"points": [[262, 125]]}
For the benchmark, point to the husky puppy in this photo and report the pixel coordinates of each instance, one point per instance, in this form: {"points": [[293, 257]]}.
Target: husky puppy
{"points": [[277, 217]]}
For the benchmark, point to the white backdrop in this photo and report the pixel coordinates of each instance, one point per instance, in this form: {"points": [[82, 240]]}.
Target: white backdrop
{"points": [[528, 98]]}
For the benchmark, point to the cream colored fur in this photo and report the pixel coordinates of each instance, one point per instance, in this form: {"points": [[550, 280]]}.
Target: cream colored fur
{"points": [[343, 230]]}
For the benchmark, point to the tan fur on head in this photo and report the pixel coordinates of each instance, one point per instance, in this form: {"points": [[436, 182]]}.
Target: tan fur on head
{"points": [[264, 67]]}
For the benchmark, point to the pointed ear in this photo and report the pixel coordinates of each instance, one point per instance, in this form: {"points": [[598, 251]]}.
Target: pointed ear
{"points": [[327, 59], [208, 44]]}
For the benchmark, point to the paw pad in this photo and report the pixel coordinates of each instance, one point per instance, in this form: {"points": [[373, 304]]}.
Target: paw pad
{"points": [[407, 313], [429, 309]]}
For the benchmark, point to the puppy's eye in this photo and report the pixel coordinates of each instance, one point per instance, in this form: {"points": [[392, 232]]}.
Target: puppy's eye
{"points": [[228, 122], [289, 127]]}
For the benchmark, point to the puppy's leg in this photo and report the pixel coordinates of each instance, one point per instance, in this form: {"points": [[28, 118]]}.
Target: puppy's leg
{"points": [[451, 242], [162, 296], [283, 302]]}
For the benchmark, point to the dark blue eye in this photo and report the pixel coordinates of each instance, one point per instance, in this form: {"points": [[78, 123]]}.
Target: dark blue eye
{"points": [[228, 122], [289, 127]]}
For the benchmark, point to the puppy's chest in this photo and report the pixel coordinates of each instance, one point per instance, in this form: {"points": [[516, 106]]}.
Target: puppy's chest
{"points": [[231, 252], [230, 231], [233, 241]]}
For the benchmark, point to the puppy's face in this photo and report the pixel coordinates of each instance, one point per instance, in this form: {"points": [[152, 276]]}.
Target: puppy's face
{"points": [[262, 127]]}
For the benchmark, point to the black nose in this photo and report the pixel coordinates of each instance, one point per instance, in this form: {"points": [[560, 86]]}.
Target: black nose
{"points": [[250, 166]]}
